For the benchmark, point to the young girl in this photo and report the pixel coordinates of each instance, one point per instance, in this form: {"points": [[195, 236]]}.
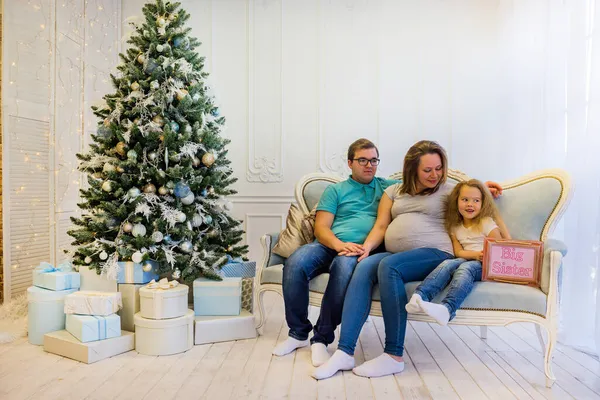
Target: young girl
{"points": [[471, 216]]}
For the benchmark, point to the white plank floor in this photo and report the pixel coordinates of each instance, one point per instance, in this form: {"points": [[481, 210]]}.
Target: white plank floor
{"points": [[441, 363]]}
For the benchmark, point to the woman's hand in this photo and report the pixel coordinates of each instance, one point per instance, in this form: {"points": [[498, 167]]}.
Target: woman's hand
{"points": [[364, 255], [495, 188], [350, 249]]}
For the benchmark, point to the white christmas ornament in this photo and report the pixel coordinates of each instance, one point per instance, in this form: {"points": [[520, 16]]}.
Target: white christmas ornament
{"points": [[107, 186], [136, 257], [141, 58], [157, 236], [160, 48], [138, 230], [154, 84], [108, 167], [197, 220], [135, 86], [181, 217], [88, 260], [103, 255], [189, 199], [160, 21]]}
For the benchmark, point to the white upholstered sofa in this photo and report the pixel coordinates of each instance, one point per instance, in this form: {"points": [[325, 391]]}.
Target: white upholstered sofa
{"points": [[531, 207]]}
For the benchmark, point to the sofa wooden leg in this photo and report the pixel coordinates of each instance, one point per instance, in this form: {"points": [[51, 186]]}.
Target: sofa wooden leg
{"points": [[550, 378], [483, 332], [538, 330], [260, 306]]}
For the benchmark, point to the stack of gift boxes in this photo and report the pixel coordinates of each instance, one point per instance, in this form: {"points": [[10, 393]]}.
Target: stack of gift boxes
{"points": [[223, 309]]}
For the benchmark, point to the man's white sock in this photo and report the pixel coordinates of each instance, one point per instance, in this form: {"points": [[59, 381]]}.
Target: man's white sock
{"points": [[379, 366], [319, 354], [288, 345], [413, 305], [339, 361], [439, 312]]}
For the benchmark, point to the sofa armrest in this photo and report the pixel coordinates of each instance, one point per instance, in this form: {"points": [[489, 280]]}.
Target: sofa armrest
{"points": [[269, 241], [551, 245]]}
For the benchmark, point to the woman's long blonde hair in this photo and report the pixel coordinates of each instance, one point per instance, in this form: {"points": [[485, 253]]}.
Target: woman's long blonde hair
{"points": [[488, 207], [412, 159]]}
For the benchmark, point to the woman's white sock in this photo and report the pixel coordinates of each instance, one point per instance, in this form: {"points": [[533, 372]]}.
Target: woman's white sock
{"points": [[288, 345], [379, 366], [339, 361], [413, 305], [439, 312], [318, 354]]}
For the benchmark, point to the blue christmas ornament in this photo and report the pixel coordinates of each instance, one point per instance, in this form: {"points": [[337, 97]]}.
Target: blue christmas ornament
{"points": [[182, 190], [214, 112], [181, 42], [204, 193], [151, 66], [104, 132], [167, 239], [174, 126], [207, 219]]}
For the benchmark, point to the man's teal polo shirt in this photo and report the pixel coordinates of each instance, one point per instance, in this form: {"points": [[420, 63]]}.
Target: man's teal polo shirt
{"points": [[354, 206]]}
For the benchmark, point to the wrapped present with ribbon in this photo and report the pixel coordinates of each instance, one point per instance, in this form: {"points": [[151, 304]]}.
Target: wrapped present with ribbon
{"points": [[217, 297], [238, 268], [61, 277], [163, 299], [93, 303], [88, 328], [140, 273]]}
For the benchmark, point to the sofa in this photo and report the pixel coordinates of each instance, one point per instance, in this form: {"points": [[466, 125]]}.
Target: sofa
{"points": [[531, 207]]}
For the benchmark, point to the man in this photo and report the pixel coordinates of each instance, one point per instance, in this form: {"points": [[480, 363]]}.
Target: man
{"points": [[345, 215]]}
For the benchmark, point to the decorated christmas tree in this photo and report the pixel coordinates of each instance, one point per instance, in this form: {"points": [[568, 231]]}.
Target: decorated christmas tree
{"points": [[157, 168]]}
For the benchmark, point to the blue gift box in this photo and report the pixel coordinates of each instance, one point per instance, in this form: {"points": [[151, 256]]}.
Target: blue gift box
{"points": [[45, 312], [239, 269], [88, 328], [61, 277], [217, 297], [130, 272]]}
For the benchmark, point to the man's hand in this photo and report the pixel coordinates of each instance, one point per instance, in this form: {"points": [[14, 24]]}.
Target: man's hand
{"points": [[495, 188], [350, 249], [480, 256]]}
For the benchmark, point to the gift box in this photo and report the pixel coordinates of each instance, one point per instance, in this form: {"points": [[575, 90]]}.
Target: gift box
{"points": [[248, 294], [46, 312], [93, 303], [212, 329], [88, 328], [66, 345], [61, 277], [160, 337], [92, 280], [239, 269], [130, 295], [130, 272], [217, 297], [163, 299]]}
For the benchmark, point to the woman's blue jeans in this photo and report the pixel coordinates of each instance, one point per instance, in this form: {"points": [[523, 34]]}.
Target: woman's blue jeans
{"points": [[460, 273], [391, 271]]}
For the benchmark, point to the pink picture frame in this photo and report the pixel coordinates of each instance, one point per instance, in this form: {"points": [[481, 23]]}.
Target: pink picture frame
{"points": [[513, 261]]}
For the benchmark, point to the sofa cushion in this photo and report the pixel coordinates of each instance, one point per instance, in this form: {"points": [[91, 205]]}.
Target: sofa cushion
{"points": [[485, 295], [292, 236]]}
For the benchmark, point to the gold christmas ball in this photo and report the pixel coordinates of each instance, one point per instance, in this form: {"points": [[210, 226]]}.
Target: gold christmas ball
{"points": [[127, 227], [106, 122], [107, 186], [160, 21], [135, 86], [181, 93], [195, 161], [172, 16], [158, 120], [98, 175], [161, 138], [147, 267], [149, 188], [137, 121], [208, 159], [141, 58], [121, 148], [163, 190], [120, 169]]}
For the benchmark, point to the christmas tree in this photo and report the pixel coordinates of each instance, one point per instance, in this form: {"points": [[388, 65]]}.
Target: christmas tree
{"points": [[157, 168]]}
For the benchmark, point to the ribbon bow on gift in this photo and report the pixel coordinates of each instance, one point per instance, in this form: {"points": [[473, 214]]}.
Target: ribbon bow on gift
{"points": [[45, 267], [162, 284]]}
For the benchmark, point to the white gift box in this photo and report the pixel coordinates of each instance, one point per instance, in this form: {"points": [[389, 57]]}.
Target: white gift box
{"points": [[161, 337], [88, 328], [160, 300], [66, 345], [93, 303], [46, 312], [91, 280], [211, 329], [130, 295], [217, 297]]}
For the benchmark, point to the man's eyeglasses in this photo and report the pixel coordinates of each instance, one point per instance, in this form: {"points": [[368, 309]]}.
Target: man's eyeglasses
{"points": [[363, 161]]}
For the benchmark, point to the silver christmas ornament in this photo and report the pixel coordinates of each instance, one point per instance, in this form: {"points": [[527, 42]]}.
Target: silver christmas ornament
{"points": [[132, 155], [157, 236], [136, 257], [138, 230], [186, 246], [103, 255], [176, 273], [133, 192], [197, 220], [152, 155], [181, 217], [187, 129]]}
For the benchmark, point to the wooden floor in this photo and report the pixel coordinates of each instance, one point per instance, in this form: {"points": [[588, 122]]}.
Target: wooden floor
{"points": [[441, 363]]}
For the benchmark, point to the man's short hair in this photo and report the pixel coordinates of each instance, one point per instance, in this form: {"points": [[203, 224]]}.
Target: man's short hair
{"points": [[361, 144]]}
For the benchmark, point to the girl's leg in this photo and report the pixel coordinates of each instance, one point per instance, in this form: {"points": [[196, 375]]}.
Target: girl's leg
{"points": [[461, 285], [393, 272], [357, 305], [435, 282]]}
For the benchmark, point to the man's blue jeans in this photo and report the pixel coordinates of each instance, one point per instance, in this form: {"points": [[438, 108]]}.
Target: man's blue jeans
{"points": [[391, 271], [460, 273], [304, 264]]}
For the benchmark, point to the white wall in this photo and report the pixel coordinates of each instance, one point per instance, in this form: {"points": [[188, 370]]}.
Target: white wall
{"points": [[299, 81]]}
